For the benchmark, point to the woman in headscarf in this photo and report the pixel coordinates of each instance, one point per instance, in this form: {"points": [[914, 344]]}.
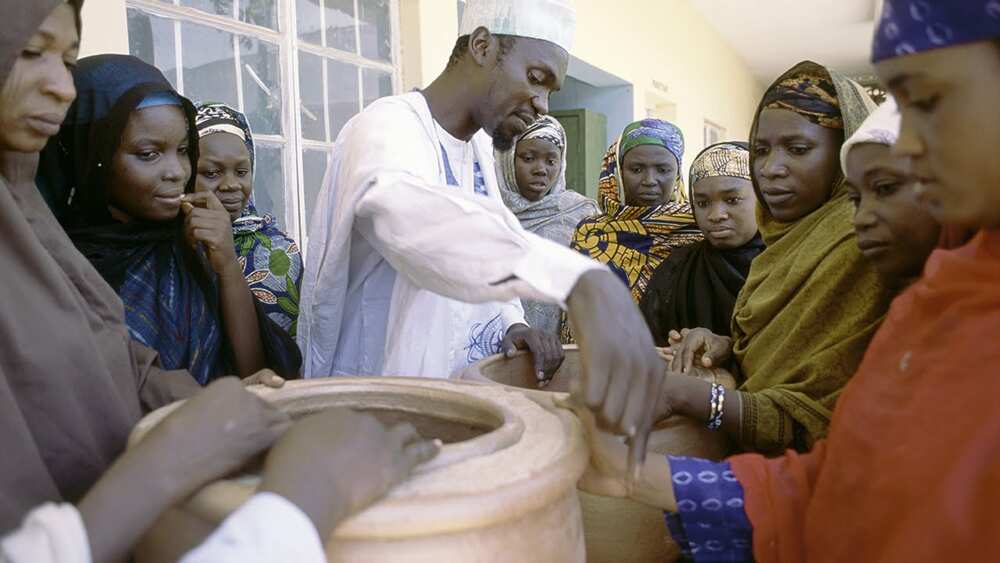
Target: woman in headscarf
{"points": [[72, 381], [643, 215], [908, 471], [895, 233], [127, 152], [812, 302], [698, 284], [271, 261], [532, 178]]}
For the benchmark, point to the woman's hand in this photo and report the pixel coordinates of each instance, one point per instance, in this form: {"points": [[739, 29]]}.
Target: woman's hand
{"points": [[698, 344], [215, 433], [545, 349], [211, 435], [207, 222], [265, 377], [336, 463]]}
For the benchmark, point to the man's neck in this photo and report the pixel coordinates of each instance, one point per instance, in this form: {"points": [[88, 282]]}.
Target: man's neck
{"points": [[450, 106]]}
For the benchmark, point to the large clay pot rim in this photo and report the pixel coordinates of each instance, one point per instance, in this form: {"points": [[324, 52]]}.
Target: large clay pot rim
{"points": [[441, 498], [438, 403]]}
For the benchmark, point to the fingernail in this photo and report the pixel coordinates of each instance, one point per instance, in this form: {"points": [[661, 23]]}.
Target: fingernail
{"points": [[438, 443], [631, 431]]}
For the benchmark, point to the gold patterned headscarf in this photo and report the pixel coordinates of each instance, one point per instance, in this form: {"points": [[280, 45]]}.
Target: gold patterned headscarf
{"points": [[812, 95], [730, 159]]}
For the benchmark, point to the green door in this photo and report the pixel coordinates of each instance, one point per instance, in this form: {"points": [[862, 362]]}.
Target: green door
{"points": [[586, 134]]}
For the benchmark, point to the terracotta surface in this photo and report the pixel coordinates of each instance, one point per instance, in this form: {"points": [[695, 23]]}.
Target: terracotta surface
{"points": [[615, 529], [502, 489]]}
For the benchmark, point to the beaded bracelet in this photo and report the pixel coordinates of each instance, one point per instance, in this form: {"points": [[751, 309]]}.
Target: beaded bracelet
{"points": [[717, 401]]}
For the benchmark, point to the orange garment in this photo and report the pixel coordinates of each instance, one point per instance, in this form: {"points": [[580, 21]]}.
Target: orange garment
{"points": [[910, 470]]}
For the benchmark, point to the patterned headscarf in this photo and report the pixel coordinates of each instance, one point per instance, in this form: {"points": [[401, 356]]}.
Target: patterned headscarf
{"points": [[546, 128], [730, 159], [611, 186], [913, 26], [653, 132], [219, 118], [809, 94]]}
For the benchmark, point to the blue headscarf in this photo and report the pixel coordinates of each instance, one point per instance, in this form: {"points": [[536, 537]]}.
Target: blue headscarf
{"points": [[913, 26], [653, 132]]}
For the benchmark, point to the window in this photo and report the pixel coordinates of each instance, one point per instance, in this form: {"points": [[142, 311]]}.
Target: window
{"points": [[713, 133], [333, 56]]}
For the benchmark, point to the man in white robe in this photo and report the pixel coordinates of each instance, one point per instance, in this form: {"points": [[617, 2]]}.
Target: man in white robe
{"points": [[415, 266]]}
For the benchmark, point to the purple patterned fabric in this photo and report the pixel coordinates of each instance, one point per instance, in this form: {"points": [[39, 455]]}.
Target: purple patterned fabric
{"points": [[913, 26], [711, 523]]}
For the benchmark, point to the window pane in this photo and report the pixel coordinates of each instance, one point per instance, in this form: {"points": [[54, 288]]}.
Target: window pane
{"points": [[209, 65], [261, 85], [376, 33], [342, 95], [377, 84], [313, 171], [260, 12], [269, 183], [151, 39], [311, 96], [341, 33], [219, 7], [307, 21]]}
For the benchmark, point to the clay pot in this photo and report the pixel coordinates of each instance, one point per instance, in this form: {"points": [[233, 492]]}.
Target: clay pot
{"points": [[502, 489], [615, 529]]}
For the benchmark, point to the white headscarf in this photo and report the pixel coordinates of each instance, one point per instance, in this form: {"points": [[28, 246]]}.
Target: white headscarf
{"points": [[881, 128], [554, 217]]}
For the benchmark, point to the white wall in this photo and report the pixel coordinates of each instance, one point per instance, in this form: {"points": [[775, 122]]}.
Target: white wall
{"points": [[105, 29]]}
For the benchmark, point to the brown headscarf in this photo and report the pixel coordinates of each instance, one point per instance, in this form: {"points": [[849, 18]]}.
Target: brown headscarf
{"points": [[72, 383]]}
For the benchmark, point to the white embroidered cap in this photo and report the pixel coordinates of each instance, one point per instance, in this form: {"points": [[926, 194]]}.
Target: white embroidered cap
{"points": [[549, 20]]}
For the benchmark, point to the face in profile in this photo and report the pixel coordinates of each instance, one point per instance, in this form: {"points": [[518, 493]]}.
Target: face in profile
{"points": [[39, 89], [947, 99], [724, 208], [537, 165], [152, 167], [649, 174], [225, 168], [795, 163], [894, 231], [520, 85]]}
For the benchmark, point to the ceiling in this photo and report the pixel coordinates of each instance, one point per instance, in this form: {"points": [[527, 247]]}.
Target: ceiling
{"points": [[773, 35]]}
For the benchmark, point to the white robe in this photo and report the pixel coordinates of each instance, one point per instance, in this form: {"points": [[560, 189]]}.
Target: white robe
{"points": [[403, 270], [265, 529]]}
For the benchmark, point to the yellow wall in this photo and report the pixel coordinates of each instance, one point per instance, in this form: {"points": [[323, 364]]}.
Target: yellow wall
{"points": [[641, 41]]}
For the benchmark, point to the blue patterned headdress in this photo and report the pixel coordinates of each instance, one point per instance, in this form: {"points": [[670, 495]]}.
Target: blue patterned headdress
{"points": [[913, 26]]}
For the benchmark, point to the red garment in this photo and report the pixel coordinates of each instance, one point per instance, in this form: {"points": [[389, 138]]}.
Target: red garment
{"points": [[910, 470]]}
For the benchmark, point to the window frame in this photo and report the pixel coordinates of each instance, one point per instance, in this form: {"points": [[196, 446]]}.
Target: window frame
{"points": [[292, 142]]}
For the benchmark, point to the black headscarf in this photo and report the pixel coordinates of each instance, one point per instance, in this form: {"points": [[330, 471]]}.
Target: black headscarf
{"points": [[698, 284], [77, 163]]}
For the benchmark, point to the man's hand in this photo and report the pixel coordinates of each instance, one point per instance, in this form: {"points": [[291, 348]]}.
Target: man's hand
{"points": [[545, 348], [622, 371]]}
